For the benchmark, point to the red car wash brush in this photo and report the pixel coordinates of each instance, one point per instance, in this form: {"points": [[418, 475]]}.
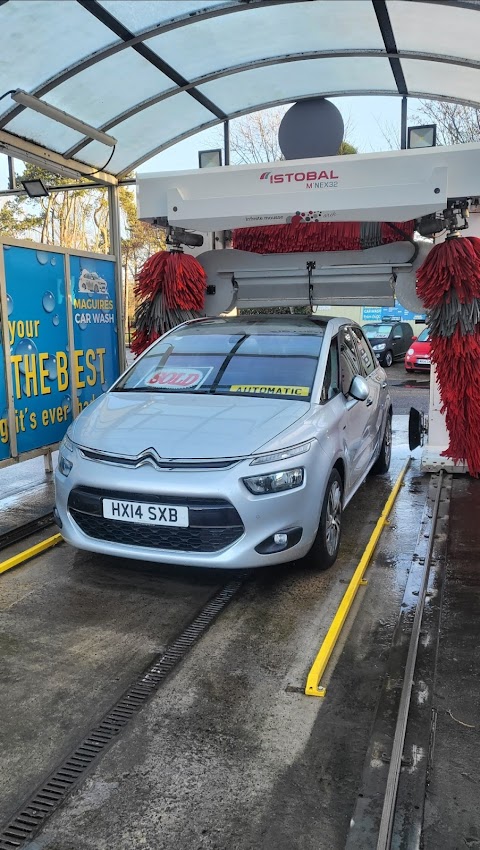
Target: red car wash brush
{"points": [[302, 234], [448, 282], [171, 286]]}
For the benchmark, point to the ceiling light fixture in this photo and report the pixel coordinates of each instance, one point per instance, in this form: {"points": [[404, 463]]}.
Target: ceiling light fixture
{"points": [[32, 102]]}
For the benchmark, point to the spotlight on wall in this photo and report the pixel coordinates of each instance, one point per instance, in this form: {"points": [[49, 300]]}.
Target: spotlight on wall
{"points": [[35, 188], [210, 159], [422, 137]]}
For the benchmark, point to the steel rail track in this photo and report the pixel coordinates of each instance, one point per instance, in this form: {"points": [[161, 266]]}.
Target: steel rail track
{"points": [[384, 817], [72, 770]]}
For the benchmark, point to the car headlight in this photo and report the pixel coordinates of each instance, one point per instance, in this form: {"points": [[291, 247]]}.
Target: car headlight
{"points": [[410, 352], [65, 456], [380, 347], [275, 482], [283, 454]]}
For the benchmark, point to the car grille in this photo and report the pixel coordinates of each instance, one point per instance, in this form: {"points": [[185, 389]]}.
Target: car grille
{"points": [[214, 523]]}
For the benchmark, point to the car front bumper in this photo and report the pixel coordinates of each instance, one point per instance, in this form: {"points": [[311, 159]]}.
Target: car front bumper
{"points": [[227, 522]]}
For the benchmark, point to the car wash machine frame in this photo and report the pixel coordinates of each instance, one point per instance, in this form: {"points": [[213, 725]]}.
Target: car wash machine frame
{"points": [[437, 188]]}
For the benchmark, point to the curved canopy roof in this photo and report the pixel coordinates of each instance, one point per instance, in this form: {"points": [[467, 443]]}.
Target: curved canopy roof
{"points": [[152, 72]]}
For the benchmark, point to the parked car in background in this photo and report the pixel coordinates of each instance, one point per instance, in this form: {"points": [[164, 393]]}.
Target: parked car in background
{"points": [[418, 356], [230, 443], [389, 340]]}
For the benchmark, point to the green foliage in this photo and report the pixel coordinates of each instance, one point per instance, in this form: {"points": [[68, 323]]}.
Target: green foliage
{"points": [[346, 148]]}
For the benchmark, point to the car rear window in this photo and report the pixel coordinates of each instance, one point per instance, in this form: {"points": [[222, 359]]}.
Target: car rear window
{"points": [[240, 361], [377, 331]]}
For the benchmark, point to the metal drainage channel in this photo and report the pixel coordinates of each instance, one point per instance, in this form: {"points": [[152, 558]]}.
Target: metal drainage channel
{"points": [[51, 794], [15, 535], [389, 809]]}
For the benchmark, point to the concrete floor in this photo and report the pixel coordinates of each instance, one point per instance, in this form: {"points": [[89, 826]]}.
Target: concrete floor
{"points": [[229, 752], [225, 754]]}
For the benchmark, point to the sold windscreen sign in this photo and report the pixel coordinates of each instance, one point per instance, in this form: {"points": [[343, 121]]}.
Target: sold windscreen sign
{"points": [[179, 377]]}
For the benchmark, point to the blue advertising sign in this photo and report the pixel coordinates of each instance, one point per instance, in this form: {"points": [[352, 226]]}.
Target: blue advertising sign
{"points": [[395, 314], [95, 328], [4, 435], [38, 337], [37, 334]]}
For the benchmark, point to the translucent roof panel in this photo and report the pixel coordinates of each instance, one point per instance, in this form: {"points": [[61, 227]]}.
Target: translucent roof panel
{"points": [[39, 42], [217, 43], [451, 32], [438, 80], [155, 126], [125, 76], [277, 83], [151, 72]]}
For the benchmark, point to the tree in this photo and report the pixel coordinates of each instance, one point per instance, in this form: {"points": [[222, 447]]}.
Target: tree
{"points": [[79, 219], [456, 123], [254, 137]]}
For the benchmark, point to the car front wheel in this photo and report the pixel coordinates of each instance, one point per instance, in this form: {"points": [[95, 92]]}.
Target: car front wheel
{"points": [[388, 359], [382, 464], [325, 547]]}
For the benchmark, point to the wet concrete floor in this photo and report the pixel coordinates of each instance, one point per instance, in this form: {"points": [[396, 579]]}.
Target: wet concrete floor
{"points": [[228, 753], [452, 818]]}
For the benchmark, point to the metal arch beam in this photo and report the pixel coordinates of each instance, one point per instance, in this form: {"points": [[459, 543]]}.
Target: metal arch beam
{"points": [[275, 60], [386, 30], [269, 104], [175, 23]]}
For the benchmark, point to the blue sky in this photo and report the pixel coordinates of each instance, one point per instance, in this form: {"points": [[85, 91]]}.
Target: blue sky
{"points": [[365, 116]]}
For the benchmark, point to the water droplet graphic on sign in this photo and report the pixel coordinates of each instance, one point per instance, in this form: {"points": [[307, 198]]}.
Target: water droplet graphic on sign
{"points": [[105, 386], [9, 305], [24, 347], [79, 393], [67, 402], [82, 326], [53, 261], [48, 302], [42, 258], [51, 367], [56, 320]]}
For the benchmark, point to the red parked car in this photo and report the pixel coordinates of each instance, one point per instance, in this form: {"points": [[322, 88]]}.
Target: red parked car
{"points": [[418, 355]]}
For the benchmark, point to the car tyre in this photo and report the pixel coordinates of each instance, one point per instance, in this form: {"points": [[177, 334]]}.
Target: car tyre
{"points": [[388, 359], [382, 464], [324, 551]]}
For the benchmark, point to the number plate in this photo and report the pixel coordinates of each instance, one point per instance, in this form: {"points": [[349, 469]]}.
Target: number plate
{"points": [[422, 361], [144, 513]]}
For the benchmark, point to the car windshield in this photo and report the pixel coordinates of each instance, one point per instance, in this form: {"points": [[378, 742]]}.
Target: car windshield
{"points": [[225, 357], [377, 331], [424, 336]]}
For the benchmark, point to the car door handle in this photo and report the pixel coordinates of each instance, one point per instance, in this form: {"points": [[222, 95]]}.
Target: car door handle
{"points": [[384, 385], [369, 402]]}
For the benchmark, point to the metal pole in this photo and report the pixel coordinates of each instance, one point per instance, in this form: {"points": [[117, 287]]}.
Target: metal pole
{"points": [[403, 126], [116, 250], [12, 180], [226, 142]]}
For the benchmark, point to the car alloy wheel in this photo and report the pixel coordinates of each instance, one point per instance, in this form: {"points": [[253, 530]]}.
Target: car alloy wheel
{"points": [[333, 518], [325, 547], [388, 359]]}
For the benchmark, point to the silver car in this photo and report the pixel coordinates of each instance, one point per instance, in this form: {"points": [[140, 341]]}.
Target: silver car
{"points": [[230, 443]]}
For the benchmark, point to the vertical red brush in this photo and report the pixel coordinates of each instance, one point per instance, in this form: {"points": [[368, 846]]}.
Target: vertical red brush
{"points": [[448, 282]]}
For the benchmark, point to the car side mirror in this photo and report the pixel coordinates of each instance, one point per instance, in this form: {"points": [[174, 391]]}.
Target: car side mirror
{"points": [[359, 388], [414, 339]]}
